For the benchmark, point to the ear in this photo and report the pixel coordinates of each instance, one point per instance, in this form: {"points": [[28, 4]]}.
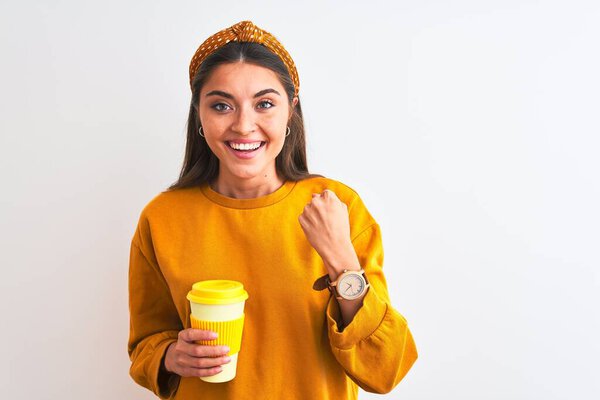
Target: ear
{"points": [[294, 102]]}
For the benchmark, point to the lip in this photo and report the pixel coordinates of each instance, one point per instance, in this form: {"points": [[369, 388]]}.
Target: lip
{"points": [[246, 156], [244, 141]]}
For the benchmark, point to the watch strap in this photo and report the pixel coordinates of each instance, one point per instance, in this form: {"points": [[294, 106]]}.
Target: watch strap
{"points": [[322, 283]]}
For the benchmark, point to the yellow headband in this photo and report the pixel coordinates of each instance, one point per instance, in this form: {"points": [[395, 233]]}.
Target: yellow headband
{"points": [[244, 31]]}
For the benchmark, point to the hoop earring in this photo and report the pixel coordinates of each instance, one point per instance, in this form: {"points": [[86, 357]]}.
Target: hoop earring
{"points": [[200, 131], [288, 132]]}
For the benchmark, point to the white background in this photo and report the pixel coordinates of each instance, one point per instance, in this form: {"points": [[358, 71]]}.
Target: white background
{"points": [[470, 128]]}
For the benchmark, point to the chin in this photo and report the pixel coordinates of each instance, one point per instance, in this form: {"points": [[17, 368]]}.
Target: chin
{"points": [[246, 174]]}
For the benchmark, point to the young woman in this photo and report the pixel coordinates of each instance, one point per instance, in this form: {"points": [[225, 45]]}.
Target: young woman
{"points": [[245, 208]]}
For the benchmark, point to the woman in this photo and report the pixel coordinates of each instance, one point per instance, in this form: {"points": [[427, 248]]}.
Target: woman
{"points": [[245, 208]]}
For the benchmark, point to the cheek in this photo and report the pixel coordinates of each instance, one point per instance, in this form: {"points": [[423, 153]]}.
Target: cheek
{"points": [[204, 120], [213, 125], [274, 124]]}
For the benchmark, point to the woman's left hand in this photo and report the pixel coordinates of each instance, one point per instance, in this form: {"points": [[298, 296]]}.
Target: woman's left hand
{"points": [[326, 225]]}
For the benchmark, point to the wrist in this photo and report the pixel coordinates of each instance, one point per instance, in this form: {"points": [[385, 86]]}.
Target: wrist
{"points": [[336, 264], [163, 364], [350, 286]]}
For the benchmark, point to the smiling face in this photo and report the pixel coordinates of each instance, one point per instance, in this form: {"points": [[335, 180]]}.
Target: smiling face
{"points": [[244, 112]]}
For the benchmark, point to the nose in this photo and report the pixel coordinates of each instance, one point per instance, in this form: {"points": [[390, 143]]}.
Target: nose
{"points": [[244, 122]]}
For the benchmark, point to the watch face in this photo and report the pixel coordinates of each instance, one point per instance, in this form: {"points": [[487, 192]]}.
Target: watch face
{"points": [[351, 286]]}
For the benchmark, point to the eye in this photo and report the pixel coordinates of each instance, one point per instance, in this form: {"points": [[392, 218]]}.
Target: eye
{"points": [[266, 104], [220, 107]]}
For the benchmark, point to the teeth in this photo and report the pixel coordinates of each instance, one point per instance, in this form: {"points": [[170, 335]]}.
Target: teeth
{"points": [[244, 146]]}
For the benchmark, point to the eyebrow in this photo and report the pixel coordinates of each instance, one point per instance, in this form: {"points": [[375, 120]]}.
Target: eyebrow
{"points": [[230, 96]]}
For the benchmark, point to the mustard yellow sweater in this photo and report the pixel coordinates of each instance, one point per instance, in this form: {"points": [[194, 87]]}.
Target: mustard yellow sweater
{"points": [[291, 345]]}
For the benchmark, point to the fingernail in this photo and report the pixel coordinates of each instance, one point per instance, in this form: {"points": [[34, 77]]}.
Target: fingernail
{"points": [[213, 335], [225, 349], [227, 359]]}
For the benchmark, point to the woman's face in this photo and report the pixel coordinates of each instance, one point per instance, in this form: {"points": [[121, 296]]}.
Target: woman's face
{"points": [[244, 112]]}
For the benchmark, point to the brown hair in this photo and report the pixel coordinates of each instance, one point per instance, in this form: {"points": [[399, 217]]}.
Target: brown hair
{"points": [[200, 165]]}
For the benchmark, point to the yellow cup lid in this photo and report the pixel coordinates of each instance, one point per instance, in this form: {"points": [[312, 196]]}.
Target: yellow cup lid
{"points": [[217, 292]]}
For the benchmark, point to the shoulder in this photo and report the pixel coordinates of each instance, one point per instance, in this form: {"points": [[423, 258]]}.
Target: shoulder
{"points": [[162, 211], [169, 202], [317, 184], [360, 217]]}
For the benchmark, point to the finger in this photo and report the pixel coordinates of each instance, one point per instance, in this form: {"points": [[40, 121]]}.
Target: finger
{"points": [[202, 372], [315, 195], [309, 212], [192, 335], [208, 372], [205, 362], [196, 350], [302, 220]]}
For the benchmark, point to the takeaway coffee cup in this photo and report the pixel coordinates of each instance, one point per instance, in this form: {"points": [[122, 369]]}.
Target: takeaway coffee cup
{"points": [[218, 306]]}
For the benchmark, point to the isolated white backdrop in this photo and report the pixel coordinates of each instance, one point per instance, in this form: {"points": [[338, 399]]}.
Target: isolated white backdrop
{"points": [[470, 128]]}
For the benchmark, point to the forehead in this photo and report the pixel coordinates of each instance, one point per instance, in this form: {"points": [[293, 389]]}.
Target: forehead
{"points": [[242, 79]]}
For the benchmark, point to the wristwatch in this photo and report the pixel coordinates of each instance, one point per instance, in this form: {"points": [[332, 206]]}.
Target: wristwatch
{"points": [[349, 285]]}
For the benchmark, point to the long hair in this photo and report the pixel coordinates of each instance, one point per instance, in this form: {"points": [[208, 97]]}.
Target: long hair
{"points": [[200, 165]]}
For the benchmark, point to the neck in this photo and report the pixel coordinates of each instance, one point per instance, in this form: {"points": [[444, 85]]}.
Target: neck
{"points": [[246, 188]]}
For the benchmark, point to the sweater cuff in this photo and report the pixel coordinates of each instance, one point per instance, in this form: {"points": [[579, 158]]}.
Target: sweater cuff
{"points": [[366, 321], [166, 382]]}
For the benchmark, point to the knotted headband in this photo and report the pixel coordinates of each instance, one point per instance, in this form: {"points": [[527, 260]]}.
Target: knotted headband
{"points": [[244, 31]]}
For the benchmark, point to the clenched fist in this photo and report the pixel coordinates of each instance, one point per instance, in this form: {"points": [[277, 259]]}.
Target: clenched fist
{"points": [[326, 226]]}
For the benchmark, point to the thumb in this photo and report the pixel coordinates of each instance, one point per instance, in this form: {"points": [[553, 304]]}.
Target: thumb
{"points": [[328, 192]]}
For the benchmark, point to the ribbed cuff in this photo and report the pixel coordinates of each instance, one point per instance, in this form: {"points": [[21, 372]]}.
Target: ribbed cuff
{"points": [[366, 321]]}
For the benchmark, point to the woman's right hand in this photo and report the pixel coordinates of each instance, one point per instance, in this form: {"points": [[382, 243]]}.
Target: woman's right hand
{"points": [[186, 358]]}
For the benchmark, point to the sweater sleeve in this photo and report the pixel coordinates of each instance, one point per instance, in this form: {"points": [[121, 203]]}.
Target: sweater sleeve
{"points": [[376, 349], [154, 322]]}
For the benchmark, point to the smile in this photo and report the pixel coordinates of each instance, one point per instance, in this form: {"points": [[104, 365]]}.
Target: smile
{"points": [[246, 150], [245, 146]]}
